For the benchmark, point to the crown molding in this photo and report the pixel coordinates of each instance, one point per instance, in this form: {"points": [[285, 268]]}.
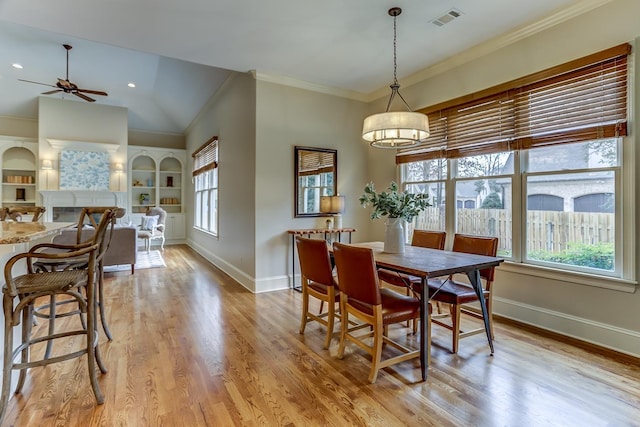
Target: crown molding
{"points": [[110, 147], [496, 43]]}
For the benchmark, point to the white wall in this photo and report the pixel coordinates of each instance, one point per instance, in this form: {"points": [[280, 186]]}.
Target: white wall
{"points": [[604, 316]]}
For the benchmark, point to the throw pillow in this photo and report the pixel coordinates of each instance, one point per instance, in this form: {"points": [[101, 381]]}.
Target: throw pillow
{"points": [[149, 223]]}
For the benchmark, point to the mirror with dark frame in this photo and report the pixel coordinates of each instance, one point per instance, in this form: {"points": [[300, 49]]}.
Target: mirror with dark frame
{"points": [[316, 171]]}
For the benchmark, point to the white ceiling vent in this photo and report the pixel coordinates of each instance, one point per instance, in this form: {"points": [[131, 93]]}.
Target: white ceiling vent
{"points": [[447, 17]]}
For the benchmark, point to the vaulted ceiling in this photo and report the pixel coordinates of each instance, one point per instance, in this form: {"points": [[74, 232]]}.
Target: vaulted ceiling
{"points": [[178, 53]]}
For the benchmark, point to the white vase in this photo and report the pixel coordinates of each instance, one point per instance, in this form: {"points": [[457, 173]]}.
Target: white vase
{"points": [[394, 236]]}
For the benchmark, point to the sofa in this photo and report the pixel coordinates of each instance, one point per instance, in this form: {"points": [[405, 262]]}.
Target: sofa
{"points": [[122, 248]]}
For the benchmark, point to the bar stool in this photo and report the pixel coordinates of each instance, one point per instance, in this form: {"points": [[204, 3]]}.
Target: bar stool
{"points": [[21, 291], [15, 212], [88, 223]]}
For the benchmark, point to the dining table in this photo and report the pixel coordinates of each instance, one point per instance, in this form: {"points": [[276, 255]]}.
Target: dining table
{"points": [[426, 264]]}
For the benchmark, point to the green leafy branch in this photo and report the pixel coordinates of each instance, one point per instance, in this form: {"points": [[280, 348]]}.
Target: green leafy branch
{"points": [[393, 203]]}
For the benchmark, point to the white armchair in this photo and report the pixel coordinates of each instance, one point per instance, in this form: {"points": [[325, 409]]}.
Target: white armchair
{"points": [[152, 227]]}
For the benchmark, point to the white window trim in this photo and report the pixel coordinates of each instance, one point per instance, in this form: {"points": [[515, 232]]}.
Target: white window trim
{"points": [[627, 282]]}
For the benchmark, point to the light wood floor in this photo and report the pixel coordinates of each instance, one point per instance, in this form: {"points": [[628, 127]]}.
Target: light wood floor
{"points": [[193, 348]]}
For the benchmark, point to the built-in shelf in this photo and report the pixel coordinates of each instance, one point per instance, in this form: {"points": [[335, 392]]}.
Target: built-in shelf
{"points": [[19, 175]]}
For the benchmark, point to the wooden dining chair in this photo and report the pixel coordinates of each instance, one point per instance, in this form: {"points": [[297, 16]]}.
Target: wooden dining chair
{"points": [[319, 282], [424, 239], [362, 297], [413, 284], [458, 294]]}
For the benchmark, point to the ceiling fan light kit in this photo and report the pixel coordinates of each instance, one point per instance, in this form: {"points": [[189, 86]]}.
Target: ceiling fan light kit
{"points": [[66, 86], [395, 129]]}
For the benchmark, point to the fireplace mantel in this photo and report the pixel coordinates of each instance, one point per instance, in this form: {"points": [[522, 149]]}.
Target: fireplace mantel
{"points": [[80, 199]]}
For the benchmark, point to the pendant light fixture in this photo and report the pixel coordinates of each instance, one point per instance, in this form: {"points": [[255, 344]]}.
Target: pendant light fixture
{"points": [[395, 129]]}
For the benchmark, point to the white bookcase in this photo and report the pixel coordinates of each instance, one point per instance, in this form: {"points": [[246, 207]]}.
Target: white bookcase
{"points": [[155, 178], [19, 160]]}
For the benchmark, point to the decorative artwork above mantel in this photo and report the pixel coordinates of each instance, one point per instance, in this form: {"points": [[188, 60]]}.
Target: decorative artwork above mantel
{"points": [[84, 170]]}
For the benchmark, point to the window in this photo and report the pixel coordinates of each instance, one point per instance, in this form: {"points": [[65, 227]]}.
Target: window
{"points": [[205, 175], [537, 163], [483, 185], [427, 177], [581, 232]]}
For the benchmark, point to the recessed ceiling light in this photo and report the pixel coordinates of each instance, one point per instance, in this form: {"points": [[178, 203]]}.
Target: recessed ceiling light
{"points": [[16, 65], [131, 85]]}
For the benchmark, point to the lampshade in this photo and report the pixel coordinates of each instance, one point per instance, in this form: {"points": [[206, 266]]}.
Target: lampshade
{"points": [[332, 204], [47, 164], [395, 129], [118, 168]]}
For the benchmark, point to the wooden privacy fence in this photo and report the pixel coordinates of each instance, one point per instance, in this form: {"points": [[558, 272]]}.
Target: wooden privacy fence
{"points": [[546, 230]]}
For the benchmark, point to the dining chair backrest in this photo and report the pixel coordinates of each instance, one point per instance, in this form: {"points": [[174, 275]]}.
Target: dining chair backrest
{"points": [[90, 218], [36, 212], [357, 275], [429, 239], [479, 246], [315, 262]]}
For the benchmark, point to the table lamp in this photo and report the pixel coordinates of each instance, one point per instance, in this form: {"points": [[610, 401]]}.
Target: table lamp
{"points": [[333, 205]]}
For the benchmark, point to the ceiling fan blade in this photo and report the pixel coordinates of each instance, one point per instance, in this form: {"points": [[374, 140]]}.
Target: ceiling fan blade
{"points": [[52, 91], [83, 96], [94, 92], [38, 83]]}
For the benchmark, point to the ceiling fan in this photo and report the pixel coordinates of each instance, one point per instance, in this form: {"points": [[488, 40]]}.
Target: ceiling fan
{"points": [[66, 86]]}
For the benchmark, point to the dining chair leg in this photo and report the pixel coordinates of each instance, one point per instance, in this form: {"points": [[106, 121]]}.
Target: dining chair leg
{"points": [[305, 308], [330, 321], [455, 325], [376, 355], [344, 326]]}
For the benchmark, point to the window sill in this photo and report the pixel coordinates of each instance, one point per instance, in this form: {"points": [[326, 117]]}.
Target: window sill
{"points": [[612, 283], [202, 230]]}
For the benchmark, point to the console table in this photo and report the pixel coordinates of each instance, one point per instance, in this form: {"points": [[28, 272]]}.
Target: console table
{"points": [[327, 232]]}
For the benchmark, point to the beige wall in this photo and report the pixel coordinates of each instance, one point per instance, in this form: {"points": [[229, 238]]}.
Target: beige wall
{"points": [[78, 121], [604, 316], [21, 127], [154, 139], [231, 116], [287, 117]]}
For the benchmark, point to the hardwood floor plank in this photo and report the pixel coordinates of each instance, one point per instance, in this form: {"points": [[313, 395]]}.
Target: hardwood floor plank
{"points": [[193, 348]]}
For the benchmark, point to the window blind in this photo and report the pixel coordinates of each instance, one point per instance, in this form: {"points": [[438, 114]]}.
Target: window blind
{"points": [[315, 162], [578, 101], [206, 157]]}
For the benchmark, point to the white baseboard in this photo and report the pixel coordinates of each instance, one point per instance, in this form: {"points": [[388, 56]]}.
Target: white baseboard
{"points": [[621, 340], [238, 275], [268, 284]]}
